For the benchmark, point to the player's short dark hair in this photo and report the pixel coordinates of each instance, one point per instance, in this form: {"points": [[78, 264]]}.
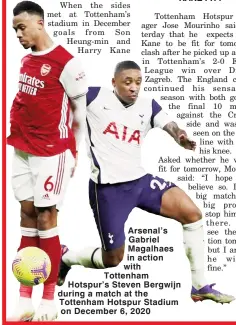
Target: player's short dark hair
{"points": [[126, 65], [30, 7]]}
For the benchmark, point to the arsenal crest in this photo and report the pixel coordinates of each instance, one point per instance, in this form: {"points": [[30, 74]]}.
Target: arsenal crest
{"points": [[45, 69]]}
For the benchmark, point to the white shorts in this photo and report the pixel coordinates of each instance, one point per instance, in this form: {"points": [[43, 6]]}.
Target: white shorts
{"points": [[41, 179]]}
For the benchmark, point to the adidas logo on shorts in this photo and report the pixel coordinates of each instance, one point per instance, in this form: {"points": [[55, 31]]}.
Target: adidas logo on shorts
{"points": [[46, 197]]}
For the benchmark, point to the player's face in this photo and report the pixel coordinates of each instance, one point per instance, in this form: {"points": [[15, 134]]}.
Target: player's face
{"points": [[127, 84], [28, 28]]}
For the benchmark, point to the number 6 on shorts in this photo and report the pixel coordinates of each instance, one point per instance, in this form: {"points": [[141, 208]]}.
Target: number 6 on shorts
{"points": [[52, 178], [48, 185]]}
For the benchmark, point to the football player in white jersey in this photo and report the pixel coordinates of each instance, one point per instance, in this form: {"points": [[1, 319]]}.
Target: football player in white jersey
{"points": [[117, 122]]}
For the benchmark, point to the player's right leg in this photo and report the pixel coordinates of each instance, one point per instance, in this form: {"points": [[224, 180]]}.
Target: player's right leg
{"points": [[91, 257], [111, 205], [22, 187]]}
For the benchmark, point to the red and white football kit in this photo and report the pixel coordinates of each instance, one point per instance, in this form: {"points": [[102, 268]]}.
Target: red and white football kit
{"points": [[40, 125]]}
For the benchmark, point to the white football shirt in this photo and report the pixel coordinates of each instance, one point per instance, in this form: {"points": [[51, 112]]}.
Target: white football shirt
{"points": [[115, 134]]}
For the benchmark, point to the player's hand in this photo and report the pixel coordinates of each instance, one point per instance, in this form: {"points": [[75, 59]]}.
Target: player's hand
{"points": [[74, 168], [185, 142]]}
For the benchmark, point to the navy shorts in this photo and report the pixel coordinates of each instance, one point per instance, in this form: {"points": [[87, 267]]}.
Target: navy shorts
{"points": [[112, 204]]}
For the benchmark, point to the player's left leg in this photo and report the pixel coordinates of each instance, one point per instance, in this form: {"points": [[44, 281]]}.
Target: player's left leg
{"points": [[23, 191], [51, 176], [167, 200], [177, 205], [24, 310]]}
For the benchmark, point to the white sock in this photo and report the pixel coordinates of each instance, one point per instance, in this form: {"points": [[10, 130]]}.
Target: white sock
{"points": [[53, 232], [194, 246], [25, 300], [29, 232], [47, 302], [24, 305], [88, 257]]}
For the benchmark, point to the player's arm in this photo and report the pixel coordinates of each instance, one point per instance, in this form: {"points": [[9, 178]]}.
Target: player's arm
{"points": [[162, 120], [79, 109], [74, 82], [179, 135], [78, 106]]}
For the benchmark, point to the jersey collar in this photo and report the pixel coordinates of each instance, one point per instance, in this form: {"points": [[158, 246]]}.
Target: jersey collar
{"points": [[44, 51], [122, 102]]}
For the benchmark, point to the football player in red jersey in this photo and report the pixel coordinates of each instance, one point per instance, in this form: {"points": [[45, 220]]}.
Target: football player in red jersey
{"points": [[51, 85]]}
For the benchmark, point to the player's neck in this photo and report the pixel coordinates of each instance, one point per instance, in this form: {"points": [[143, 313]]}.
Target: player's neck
{"points": [[122, 101], [44, 43]]}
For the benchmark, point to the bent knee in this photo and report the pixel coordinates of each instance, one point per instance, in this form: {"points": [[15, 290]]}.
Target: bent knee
{"points": [[47, 217], [192, 214], [28, 210], [46, 210], [113, 261]]}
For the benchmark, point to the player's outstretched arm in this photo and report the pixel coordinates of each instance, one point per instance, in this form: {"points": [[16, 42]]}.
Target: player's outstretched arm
{"points": [[180, 136]]}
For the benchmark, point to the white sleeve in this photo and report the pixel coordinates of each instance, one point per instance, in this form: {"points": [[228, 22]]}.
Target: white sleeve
{"points": [[79, 118], [73, 79], [161, 119]]}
